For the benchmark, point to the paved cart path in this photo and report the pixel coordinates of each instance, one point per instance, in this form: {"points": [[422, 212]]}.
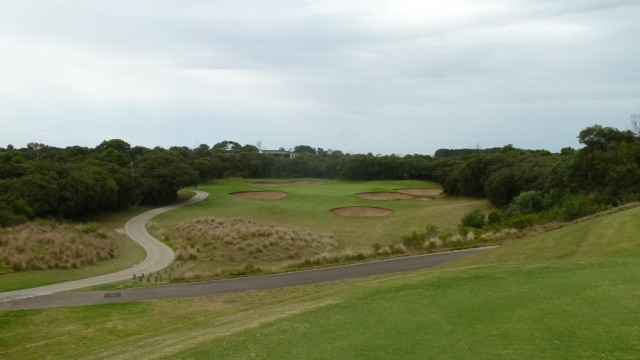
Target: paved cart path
{"points": [[240, 284], [158, 257]]}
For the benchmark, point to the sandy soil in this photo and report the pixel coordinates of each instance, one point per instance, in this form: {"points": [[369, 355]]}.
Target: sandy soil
{"points": [[385, 196], [361, 211], [261, 195], [293, 182], [420, 192]]}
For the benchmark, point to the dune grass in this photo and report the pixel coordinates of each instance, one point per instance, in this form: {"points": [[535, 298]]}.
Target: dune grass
{"points": [[44, 245], [128, 253], [571, 293], [213, 246]]}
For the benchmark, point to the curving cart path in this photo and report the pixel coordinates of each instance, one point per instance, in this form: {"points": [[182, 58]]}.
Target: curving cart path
{"points": [[158, 257]]}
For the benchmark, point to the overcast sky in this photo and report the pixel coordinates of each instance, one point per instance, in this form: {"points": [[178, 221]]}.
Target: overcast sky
{"points": [[396, 76]]}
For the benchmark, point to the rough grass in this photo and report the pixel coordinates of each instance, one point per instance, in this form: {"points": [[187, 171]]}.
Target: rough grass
{"points": [[43, 245], [220, 245], [128, 253]]}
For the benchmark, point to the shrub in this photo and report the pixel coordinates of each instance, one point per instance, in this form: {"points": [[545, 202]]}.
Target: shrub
{"points": [[384, 250], [473, 219], [399, 249], [519, 222], [527, 202], [494, 217], [431, 231], [576, 206], [433, 243], [414, 241]]}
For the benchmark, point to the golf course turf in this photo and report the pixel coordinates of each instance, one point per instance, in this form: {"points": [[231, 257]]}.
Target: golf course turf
{"points": [[571, 293]]}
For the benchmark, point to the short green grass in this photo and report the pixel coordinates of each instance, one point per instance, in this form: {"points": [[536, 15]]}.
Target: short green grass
{"points": [[569, 294], [308, 207], [305, 209]]}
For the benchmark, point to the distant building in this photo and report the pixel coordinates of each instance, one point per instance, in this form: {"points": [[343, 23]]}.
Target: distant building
{"points": [[282, 154]]}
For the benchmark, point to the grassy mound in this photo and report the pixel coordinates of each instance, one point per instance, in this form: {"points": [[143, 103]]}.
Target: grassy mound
{"points": [[49, 245]]}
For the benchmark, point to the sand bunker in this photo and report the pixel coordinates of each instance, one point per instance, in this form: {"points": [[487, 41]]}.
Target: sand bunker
{"points": [[261, 195], [385, 196], [361, 211], [292, 182], [420, 192]]}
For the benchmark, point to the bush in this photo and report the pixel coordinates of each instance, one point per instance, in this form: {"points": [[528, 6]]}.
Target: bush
{"points": [[519, 222], [494, 217], [528, 202], [414, 241], [473, 219], [576, 206], [431, 231]]}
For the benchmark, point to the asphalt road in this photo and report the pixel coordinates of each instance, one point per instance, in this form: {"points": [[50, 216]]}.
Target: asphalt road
{"points": [[239, 284], [158, 257]]}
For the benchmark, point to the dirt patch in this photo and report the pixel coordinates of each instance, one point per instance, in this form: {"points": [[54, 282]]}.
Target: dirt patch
{"points": [[261, 195], [292, 182], [385, 196], [420, 192], [361, 211]]}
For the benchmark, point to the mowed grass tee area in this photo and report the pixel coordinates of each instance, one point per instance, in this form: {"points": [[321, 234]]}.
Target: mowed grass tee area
{"points": [[568, 294]]}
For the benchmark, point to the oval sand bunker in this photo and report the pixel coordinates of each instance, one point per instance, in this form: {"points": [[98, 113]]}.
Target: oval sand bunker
{"points": [[385, 196], [419, 192], [260, 195], [361, 211]]}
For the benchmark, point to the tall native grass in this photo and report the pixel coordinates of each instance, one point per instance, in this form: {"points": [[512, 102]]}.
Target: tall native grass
{"points": [[243, 240], [222, 247], [45, 245]]}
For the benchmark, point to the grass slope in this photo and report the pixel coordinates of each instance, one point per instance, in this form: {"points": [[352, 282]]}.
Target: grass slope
{"points": [[571, 293]]}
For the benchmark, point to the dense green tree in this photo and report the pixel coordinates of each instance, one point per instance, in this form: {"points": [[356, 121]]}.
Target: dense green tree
{"points": [[227, 146], [305, 149], [163, 174]]}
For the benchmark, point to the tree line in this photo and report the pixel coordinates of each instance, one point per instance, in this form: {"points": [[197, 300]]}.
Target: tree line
{"points": [[45, 181]]}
